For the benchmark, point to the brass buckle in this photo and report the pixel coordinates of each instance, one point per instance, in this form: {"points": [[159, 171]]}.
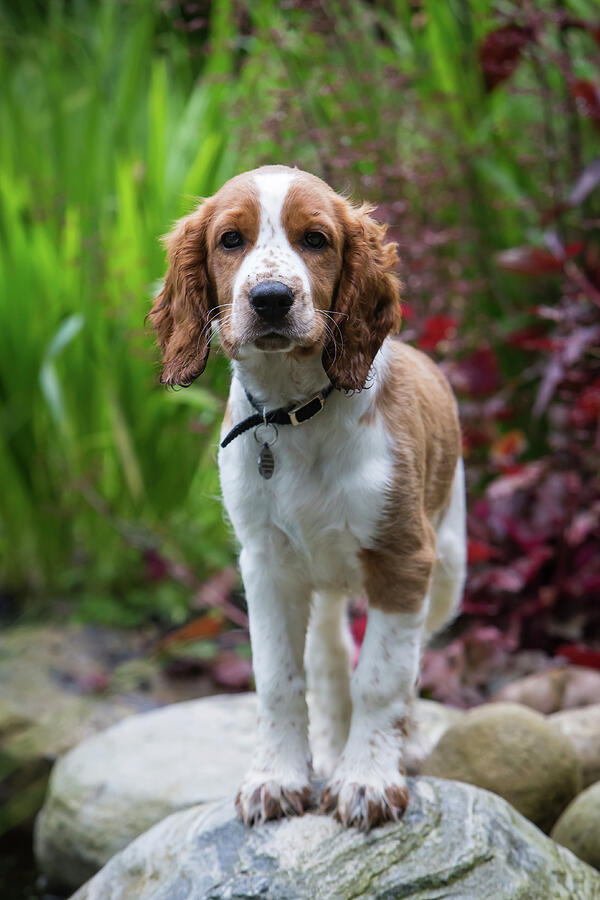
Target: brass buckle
{"points": [[292, 412]]}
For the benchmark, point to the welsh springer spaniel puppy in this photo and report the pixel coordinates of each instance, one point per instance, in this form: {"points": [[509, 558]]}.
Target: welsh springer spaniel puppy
{"points": [[341, 472]]}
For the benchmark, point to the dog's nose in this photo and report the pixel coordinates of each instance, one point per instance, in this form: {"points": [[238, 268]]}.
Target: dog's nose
{"points": [[271, 300]]}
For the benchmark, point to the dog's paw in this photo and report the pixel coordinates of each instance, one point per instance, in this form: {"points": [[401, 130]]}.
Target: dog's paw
{"points": [[261, 798], [365, 806]]}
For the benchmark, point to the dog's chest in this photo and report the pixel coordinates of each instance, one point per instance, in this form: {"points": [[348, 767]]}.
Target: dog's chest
{"points": [[327, 493]]}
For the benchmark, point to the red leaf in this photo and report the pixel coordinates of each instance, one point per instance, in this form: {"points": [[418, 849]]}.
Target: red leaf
{"points": [[500, 52], [587, 96], [532, 338], [584, 523], [587, 406], [571, 351], [472, 438], [580, 655], [156, 566], [524, 478], [478, 373], [479, 551], [436, 330], [535, 260]]}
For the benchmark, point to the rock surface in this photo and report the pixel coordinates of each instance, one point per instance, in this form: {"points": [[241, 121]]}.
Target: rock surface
{"points": [[115, 785], [582, 727], [118, 783], [49, 701], [515, 752], [579, 826], [454, 841], [556, 689]]}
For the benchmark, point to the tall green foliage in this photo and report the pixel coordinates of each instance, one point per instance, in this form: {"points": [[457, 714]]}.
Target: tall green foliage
{"points": [[106, 139], [113, 118]]}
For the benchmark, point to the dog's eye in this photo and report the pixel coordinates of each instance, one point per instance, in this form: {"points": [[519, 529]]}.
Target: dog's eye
{"points": [[314, 240], [232, 239]]}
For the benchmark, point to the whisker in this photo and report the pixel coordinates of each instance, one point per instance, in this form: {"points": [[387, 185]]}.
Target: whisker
{"points": [[330, 333]]}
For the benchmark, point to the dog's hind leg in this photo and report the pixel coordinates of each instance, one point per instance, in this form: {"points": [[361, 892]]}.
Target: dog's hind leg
{"points": [[328, 663], [451, 565]]}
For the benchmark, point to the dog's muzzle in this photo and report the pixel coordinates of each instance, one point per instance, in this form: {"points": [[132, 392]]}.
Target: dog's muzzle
{"points": [[271, 300]]}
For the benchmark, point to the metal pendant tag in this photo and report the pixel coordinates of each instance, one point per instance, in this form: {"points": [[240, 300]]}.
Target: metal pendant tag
{"points": [[266, 461]]}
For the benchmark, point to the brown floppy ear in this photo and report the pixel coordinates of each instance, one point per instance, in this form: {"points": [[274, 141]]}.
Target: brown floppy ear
{"points": [[367, 303], [181, 312]]}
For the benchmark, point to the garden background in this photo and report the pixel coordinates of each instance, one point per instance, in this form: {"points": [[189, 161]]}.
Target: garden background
{"points": [[471, 126]]}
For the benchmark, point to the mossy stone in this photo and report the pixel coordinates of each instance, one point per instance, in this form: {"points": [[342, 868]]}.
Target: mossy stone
{"points": [[514, 752], [578, 828]]}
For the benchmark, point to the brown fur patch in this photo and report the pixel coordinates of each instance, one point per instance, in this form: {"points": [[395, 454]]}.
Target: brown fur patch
{"points": [[269, 801], [180, 313], [352, 279], [368, 807], [310, 205], [419, 411], [367, 306], [397, 799], [200, 277]]}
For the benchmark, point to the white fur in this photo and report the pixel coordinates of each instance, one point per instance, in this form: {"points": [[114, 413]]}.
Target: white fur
{"points": [[451, 569], [328, 660], [382, 687], [272, 258], [301, 533]]}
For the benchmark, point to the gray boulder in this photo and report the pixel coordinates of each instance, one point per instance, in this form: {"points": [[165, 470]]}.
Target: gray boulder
{"points": [[454, 841], [115, 785]]}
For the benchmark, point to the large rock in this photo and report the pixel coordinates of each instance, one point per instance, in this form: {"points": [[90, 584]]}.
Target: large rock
{"points": [[515, 752], [582, 727], [454, 841], [115, 785], [579, 826]]}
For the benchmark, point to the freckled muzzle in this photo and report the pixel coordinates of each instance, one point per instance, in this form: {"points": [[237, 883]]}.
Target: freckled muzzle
{"points": [[271, 300]]}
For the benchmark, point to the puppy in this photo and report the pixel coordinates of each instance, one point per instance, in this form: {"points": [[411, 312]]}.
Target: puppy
{"points": [[340, 470]]}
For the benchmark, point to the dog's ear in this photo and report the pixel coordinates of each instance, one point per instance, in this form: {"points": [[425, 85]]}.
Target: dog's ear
{"points": [[367, 304], [181, 312]]}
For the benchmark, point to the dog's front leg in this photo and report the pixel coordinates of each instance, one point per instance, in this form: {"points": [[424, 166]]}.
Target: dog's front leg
{"points": [[278, 598], [368, 786]]}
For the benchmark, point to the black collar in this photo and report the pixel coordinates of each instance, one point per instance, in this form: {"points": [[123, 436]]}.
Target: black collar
{"points": [[295, 415]]}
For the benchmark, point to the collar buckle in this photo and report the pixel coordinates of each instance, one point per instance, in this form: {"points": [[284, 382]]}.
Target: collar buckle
{"points": [[310, 408]]}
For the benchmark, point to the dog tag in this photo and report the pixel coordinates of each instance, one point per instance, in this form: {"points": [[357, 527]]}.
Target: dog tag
{"points": [[266, 461]]}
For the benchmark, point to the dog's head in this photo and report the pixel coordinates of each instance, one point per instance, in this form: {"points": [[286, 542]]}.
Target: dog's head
{"points": [[276, 261]]}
